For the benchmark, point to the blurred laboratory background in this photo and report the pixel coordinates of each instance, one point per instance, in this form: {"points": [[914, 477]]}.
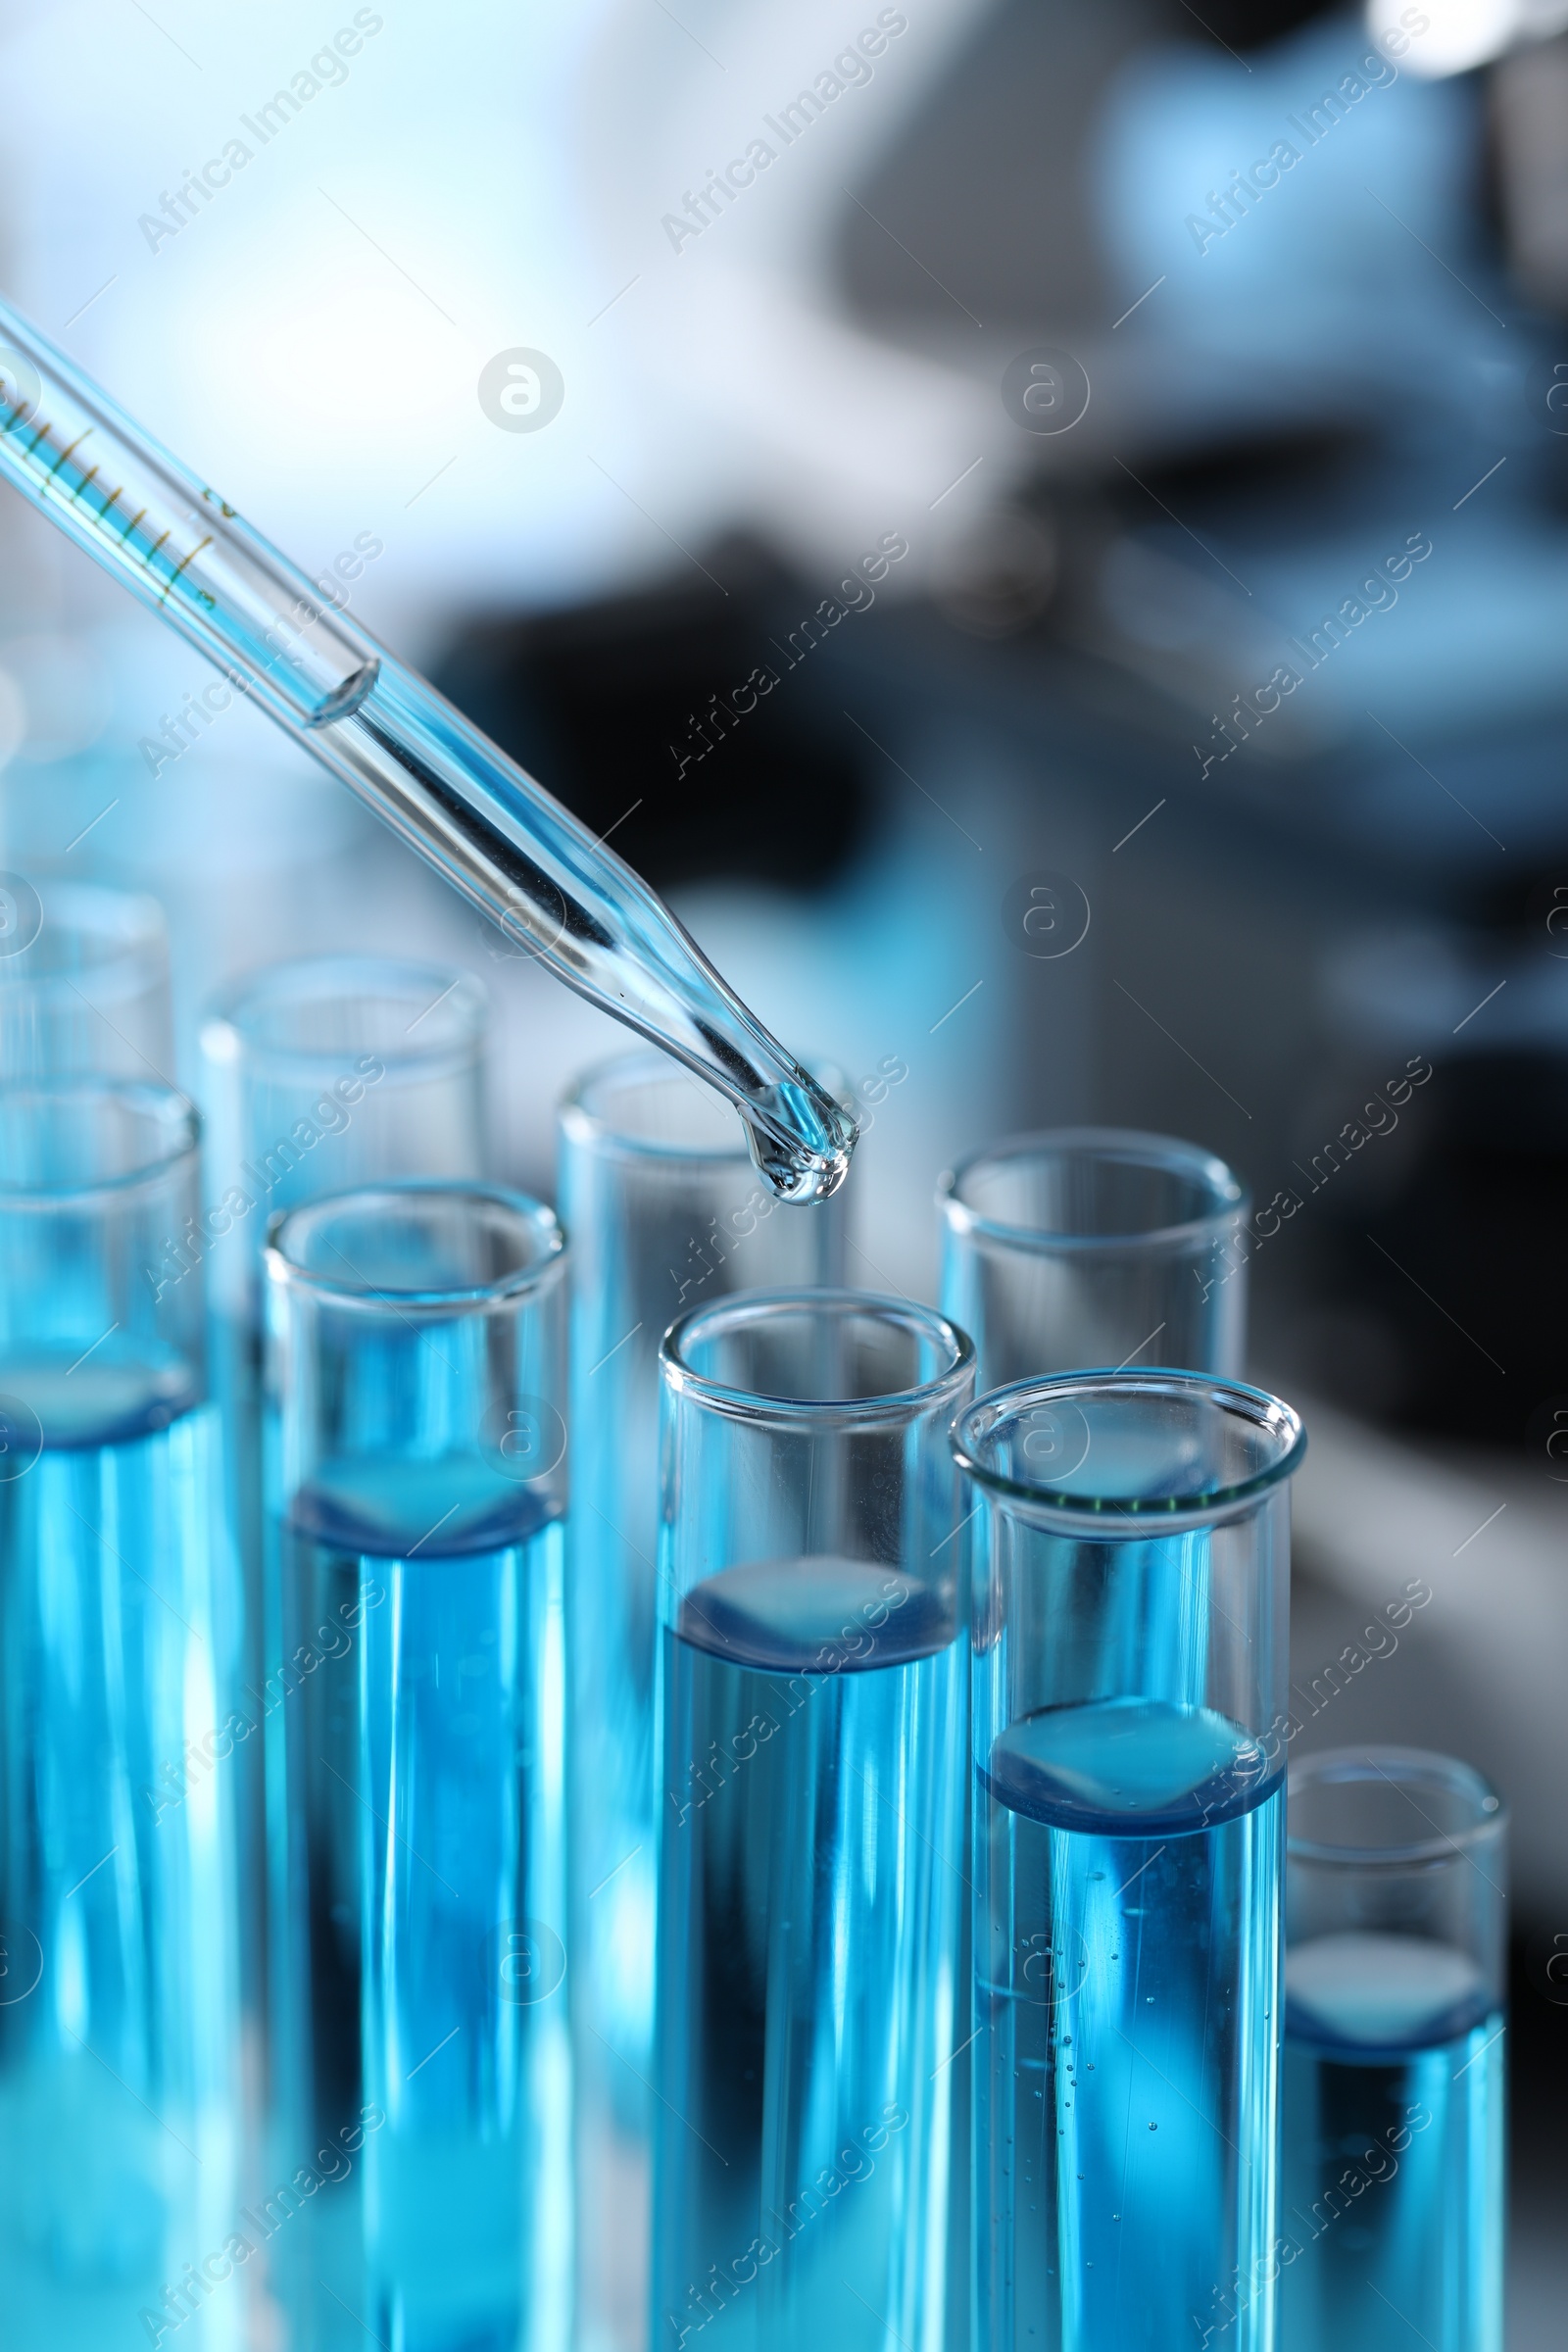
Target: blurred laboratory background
{"points": [[1050, 548]]}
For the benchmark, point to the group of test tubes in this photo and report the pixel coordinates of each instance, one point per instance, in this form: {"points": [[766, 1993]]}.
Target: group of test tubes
{"points": [[843, 1881]]}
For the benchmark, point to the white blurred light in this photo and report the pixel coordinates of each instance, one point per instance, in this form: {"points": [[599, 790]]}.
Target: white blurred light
{"points": [[1453, 36]]}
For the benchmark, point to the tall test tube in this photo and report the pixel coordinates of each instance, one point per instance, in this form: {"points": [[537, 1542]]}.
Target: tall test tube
{"points": [[327, 1072], [83, 982], [666, 1211], [1130, 1626], [1091, 1246], [811, 1708], [118, 2009], [416, 1774], [1394, 2063], [1071, 1248]]}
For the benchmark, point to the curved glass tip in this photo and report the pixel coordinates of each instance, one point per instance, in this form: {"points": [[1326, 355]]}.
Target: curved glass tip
{"points": [[800, 1138]]}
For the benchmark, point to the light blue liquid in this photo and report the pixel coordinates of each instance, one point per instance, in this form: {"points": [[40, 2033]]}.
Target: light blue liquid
{"points": [[419, 1968], [1394, 2148], [119, 2013], [1129, 1854], [614, 1835], [810, 1733], [235, 1369]]}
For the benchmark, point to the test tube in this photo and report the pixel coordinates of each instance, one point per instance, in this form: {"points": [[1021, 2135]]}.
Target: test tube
{"points": [[666, 1211], [83, 982], [1091, 1246], [416, 1774], [1393, 2229], [118, 2008], [319, 1074], [810, 1704], [1077, 1248], [1130, 1591]]}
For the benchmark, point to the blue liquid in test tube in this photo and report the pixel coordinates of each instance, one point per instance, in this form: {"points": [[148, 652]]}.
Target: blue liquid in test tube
{"points": [[665, 1213], [321, 1073], [1394, 2065], [1128, 1852], [812, 1726], [421, 1903], [1062, 1249], [119, 1998]]}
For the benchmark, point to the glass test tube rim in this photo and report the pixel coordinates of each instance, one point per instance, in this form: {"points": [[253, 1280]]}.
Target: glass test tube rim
{"points": [[586, 1122], [1106, 1519], [514, 1288], [1426, 1765], [230, 1031], [124, 924], [175, 1114], [1135, 1145], [924, 1323]]}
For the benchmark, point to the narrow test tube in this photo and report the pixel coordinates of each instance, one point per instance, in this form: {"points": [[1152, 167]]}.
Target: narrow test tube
{"points": [[118, 2003], [666, 1211], [1393, 2227], [322, 1074], [812, 1722], [1091, 1246], [83, 982], [1130, 1594], [558, 891], [416, 1337], [318, 1074], [1077, 1248]]}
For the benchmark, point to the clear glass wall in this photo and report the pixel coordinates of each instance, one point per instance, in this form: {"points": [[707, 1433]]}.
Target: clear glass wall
{"points": [[119, 1998], [1130, 1636], [666, 1211], [811, 1706], [416, 1769]]}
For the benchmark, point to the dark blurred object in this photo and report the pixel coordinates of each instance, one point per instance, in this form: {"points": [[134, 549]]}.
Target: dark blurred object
{"points": [[1530, 124], [641, 715], [1538, 2065], [1254, 23], [1000, 578], [1434, 1295], [990, 187], [1443, 1305]]}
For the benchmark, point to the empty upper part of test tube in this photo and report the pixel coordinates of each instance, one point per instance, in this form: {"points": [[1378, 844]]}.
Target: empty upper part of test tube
{"points": [[1091, 1246], [83, 982], [559, 893]]}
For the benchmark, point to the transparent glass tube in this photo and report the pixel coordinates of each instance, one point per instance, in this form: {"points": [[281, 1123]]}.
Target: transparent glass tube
{"points": [[557, 890], [1393, 2229], [319, 1074], [415, 1702], [810, 1746], [1086, 1247], [83, 982], [328, 1073], [666, 1211], [1130, 1631], [119, 2006], [1095, 1246]]}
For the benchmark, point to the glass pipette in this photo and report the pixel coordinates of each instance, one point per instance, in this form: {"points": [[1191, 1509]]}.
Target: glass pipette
{"points": [[559, 893]]}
